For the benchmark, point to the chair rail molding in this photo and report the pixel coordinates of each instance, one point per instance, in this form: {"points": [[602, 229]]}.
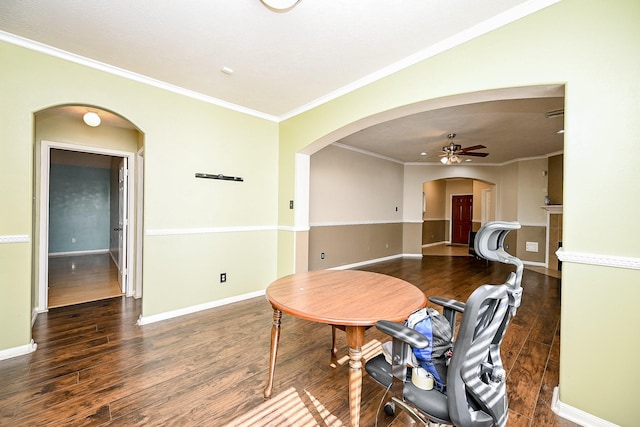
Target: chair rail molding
{"points": [[14, 239], [598, 259]]}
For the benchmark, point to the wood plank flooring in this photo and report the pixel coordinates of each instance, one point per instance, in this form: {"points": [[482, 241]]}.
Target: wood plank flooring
{"points": [[95, 367], [82, 278]]}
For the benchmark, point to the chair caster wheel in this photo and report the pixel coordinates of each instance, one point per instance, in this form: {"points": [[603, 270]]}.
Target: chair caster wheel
{"points": [[390, 408]]}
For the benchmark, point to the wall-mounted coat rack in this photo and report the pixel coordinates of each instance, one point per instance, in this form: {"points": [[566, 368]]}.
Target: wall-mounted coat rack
{"points": [[219, 176]]}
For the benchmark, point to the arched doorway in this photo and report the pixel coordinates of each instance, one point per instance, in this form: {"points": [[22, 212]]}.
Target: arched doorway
{"points": [[438, 210], [414, 173], [85, 187]]}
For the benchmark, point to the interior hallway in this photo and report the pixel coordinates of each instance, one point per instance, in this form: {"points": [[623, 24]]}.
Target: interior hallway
{"points": [[82, 278]]}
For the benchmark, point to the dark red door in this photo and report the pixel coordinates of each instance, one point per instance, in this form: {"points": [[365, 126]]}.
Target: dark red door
{"points": [[461, 216]]}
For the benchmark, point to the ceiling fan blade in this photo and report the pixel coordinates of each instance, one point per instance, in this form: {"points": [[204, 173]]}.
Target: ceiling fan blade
{"points": [[473, 147], [473, 154]]}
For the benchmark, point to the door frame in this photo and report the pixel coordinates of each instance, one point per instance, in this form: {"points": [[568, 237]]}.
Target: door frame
{"points": [[43, 249]]}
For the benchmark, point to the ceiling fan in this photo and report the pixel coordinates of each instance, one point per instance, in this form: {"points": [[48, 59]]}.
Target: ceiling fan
{"points": [[453, 151]]}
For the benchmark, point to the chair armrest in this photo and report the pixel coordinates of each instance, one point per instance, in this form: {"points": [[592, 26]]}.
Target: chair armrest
{"points": [[404, 334], [450, 307], [449, 303]]}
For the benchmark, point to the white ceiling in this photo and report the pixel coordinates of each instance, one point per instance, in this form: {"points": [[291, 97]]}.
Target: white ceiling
{"points": [[285, 63]]}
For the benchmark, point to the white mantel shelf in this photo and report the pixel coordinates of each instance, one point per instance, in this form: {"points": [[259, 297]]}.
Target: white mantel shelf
{"points": [[553, 209]]}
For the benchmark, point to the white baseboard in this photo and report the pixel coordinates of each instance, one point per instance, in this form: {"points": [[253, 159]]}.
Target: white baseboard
{"points": [[76, 253], [576, 415], [428, 245], [534, 264], [18, 351], [373, 261], [34, 316], [145, 320]]}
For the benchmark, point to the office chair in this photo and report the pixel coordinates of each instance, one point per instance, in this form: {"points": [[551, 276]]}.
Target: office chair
{"points": [[476, 393]]}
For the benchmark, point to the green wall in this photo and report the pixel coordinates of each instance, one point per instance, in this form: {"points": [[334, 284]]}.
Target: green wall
{"points": [[195, 229], [592, 47]]}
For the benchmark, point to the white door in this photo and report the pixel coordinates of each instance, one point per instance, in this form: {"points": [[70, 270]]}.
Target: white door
{"points": [[123, 223]]}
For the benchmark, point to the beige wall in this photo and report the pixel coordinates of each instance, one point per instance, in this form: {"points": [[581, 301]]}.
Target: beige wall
{"points": [[535, 234], [555, 179], [348, 187], [350, 244], [434, 231], [355, 208], [435, 204]]}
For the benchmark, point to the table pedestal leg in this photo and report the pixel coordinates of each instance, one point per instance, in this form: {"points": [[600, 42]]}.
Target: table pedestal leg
{"points": [[355, 340], [275, 340]]}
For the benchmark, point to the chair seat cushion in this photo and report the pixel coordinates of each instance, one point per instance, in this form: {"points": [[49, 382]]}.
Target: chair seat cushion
{"points": [[430, 402]]}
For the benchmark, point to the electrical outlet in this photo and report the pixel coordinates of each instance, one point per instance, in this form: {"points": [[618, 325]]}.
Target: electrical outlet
{"points": [[223, 277], [322, 255], [531, 246]]}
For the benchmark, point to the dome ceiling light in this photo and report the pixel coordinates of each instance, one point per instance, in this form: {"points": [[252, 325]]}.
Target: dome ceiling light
{"points": [[92, 119]]}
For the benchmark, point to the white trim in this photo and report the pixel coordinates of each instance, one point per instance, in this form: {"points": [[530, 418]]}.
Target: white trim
{"points": [[138, 279], [339, 224], [373, 261], [18, 351], [208, 230], [43, 250], [292, 229], [534, 264], [79, 253], [428, 245], [91, 63], [533, 224], [478, 30], [301, 195], [519, 159], [598, 259], [576, 415], [34, 316], [19, 238], [145, 320], [368, 153]]}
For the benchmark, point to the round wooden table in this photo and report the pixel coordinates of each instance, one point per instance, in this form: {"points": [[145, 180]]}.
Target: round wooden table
{"points": [[349, 299]]}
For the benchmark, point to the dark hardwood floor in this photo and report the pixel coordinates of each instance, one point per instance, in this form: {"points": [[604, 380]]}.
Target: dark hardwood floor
{"points": [[94, 366]]}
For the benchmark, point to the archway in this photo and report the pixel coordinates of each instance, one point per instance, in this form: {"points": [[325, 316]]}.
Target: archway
{"points": [[92, 210], [437, 198], [414, 174]]}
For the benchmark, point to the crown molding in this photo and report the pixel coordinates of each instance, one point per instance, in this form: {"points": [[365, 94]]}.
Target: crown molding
{"points": [[140, 78], [478, 30]]}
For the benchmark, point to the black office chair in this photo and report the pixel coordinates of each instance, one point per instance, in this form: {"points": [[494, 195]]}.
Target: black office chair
{"points": [[476, 390]]}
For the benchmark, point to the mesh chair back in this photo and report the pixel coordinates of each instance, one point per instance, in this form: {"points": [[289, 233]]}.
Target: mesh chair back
{"points": [[476, 382]]}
